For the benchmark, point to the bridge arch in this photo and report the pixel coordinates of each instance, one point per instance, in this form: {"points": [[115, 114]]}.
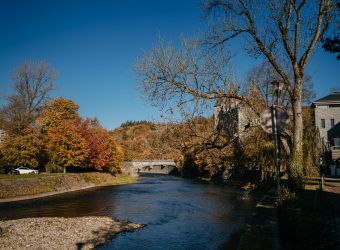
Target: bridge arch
{"points": [[136, 167]]}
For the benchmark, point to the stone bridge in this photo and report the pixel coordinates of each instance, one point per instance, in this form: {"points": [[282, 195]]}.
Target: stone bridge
{"points": [[136, 167]]}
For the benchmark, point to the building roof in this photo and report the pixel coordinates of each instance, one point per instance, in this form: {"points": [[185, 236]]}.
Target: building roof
{"points": [[333, 98]]}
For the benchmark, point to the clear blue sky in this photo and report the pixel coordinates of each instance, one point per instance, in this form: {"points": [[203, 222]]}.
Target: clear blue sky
{"points": [[93, 45]]}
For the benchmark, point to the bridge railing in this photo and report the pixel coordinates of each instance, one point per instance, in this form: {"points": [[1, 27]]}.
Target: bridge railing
{"points": [[152, 161]]}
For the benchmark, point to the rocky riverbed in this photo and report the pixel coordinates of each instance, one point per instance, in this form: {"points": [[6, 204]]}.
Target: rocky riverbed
{"points": [[60, 233]]}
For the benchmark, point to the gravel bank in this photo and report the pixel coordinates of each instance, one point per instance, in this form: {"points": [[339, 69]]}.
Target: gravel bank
{"points": [[60, 233]]}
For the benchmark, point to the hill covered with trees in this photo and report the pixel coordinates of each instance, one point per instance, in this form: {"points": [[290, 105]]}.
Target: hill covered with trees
{"points": [[141, 140]]}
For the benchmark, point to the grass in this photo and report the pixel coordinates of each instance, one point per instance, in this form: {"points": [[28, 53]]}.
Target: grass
{"points": [[120, 180], [25, 185], [26, 176], [307, 222]]}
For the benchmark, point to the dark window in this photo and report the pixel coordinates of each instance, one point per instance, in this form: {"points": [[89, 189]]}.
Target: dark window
{"points": [[323, 123], [332, 123]]}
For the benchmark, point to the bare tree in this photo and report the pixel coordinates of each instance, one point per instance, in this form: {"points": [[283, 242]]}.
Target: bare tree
{"points": [[189, 78], [33, 83], [190, 81], [261, 77], [280, 31]]}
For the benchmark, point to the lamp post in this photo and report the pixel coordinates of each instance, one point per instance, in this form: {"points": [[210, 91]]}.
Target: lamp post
{"points": [[277, 88]]}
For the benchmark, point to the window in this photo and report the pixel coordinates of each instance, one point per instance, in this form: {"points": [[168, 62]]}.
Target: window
{"points": [[332, 123], [323, 123]]}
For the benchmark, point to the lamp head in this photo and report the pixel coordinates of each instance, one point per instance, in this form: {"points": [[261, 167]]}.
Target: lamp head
{"points": [[277, 85]]}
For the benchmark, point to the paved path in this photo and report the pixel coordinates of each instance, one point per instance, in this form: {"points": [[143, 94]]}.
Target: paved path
{"points": [[332, 185], [331, 198], [262, 230]]}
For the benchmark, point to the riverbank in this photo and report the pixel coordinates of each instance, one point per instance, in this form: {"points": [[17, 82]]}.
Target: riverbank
{"points": [[34, 186], [61, 233]]}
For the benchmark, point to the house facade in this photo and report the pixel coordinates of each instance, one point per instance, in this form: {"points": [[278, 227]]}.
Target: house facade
{"points": [[327, 120]]}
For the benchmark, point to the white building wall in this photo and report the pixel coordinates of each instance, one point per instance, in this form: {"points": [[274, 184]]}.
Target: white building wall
{"points": [[326, 112]]}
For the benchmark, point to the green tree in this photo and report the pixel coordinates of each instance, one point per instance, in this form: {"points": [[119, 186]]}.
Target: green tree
{"points": [[311, 145], [65, 145], [332, 45]]}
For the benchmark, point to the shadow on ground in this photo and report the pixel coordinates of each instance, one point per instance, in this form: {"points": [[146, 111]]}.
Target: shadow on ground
{"points": [[312, 221], [104, 235]]}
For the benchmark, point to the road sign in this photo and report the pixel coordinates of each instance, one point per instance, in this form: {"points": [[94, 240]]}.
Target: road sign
{"points": [[282, 119]]}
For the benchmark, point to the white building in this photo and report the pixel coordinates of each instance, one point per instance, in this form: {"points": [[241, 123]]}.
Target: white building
{"points": [[327, 120]]}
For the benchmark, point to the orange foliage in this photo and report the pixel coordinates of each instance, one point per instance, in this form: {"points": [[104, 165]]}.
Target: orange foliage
{"points": [[65, 145], [97, 139], [56, 111]]}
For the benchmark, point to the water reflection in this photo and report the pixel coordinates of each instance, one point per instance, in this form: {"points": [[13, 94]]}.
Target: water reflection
{"points": [[179, 213], [96, 201]]}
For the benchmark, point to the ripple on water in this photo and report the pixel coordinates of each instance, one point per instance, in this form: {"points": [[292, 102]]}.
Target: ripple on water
{"points": [[179, 213]]}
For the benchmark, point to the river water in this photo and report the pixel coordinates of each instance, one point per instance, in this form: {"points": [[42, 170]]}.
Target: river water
{"points": [[178, 213]]}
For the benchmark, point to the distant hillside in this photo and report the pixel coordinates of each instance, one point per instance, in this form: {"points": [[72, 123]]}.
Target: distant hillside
{"points": [[145, 140]]}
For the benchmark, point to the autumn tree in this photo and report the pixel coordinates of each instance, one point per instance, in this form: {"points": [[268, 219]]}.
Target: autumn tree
{"points": [[23, 149], [65, 145], [33, 83], [98, 140], [117, 157], [145, 140], [57, 111]]}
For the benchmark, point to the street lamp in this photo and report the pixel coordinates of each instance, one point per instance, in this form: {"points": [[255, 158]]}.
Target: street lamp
{"points": [[277, 87]]}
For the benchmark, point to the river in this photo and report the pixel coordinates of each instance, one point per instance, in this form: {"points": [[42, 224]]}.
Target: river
{"points": [[178, 213]]}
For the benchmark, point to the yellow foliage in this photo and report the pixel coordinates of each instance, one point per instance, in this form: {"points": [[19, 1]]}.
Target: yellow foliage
{"points": [[56, 111], [65, 146], [23, 149]]}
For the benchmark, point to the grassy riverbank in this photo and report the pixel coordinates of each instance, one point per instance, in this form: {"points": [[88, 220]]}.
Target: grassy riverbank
{"points": [[15, 187], [311, 220]]}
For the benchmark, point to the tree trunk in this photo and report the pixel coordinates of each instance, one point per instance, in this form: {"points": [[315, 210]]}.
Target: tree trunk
{"points": [[296, 164], [298, 126], [64, 170]]}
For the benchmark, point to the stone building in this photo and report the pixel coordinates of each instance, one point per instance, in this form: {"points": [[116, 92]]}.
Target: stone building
{"points": [[327, 120], [233, 118]]}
